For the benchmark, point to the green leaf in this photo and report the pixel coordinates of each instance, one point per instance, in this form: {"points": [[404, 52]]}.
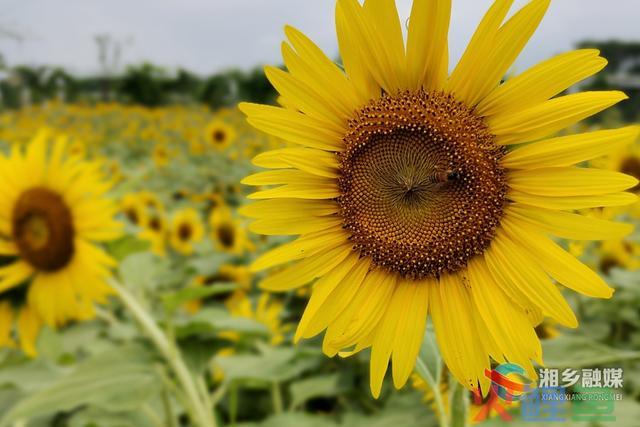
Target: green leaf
{"points": [[276, 365], [115, 381], [211, 320], [127, 245], [138, 270], [313, 387], [174, 300], [576, 351]]}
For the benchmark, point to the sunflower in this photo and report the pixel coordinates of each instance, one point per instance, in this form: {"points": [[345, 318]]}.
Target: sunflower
{"points": [[218, 134], [53, 211], [414, 194], [186, 229], [155, 232], [227, 273], [267, 311], [626, 161], [161, 155], [134, 209], [227, 233]]}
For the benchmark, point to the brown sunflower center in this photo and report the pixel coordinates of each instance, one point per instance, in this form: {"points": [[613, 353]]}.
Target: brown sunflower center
{"points": [[422, 189], [42, 228], [184, 232], [226, 235], [631, 166], [219, 136]]}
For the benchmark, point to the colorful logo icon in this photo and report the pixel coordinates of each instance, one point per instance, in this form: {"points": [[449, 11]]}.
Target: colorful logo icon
{"points": [[509, 382]]}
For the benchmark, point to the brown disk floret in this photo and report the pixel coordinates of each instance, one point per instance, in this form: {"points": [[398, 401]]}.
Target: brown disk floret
{"points": [[43, 229], [422, 187]]}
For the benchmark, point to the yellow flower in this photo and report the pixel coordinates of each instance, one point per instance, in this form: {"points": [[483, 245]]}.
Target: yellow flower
{"points": [[267, 311], [413, 192], [161, 155], [219, 135], [155, 232], [134, 209], [227, 233], [53, 211], [186, 229], [227, 273]]}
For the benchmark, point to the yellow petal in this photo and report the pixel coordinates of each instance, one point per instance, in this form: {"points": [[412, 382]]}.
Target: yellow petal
{"points": [[506, 322], [294, 127], [509, 42], [300, 248], [570, 150], [541, 82], [284, 226], [306, 270], [569, 181], [550, 116], [355, 64], [14, 274], [457, 336], [573, 202], [512, 266], [309, 64], [368, 34], [312, 191], [288, 208], [385, 334], [29, 325], [410, 333], [560, 264], [331, 296], [427, 47], [317, 162], [304, 97], [478, 49], [569, 225]]}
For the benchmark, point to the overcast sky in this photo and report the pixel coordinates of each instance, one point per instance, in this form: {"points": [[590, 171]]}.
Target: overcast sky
{"points": [[212, 35]]}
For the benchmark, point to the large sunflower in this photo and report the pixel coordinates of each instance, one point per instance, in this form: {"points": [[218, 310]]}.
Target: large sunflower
{"points": [[414, 193], [52, 211]]}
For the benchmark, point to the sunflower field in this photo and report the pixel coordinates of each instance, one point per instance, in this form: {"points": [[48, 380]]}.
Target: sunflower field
{"points": [[390, 240]]}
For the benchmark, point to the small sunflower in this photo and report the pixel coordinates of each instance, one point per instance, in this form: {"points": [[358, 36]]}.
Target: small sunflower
{"points": [[186, 229], [227, 273], [155, 231], [219, 135], [161, 155], [267, 310], [227, 233], [414, 193], [53, 211], [134, 209]]}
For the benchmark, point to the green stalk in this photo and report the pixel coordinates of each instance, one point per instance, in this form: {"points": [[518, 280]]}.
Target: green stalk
{"points": [[198, 411], [434, 383]]}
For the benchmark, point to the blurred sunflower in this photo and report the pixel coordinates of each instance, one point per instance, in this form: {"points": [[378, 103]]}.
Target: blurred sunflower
{"points": [[227, 233], [267, 310], [53, 210], [219, 135], [186, 229], [412, 194], [227, 273], [626, 161], [134, 209], [161, 155], [155, 232]]}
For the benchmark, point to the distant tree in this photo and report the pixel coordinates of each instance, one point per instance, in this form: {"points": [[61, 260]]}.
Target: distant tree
{"points": [[143, 84], [185, 84], [218, 91], [622, 72], [255, 87]]}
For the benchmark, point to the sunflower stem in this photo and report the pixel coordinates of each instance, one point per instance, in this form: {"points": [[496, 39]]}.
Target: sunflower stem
{"points": [[199, 413], [458, 404], [434, 383]]}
